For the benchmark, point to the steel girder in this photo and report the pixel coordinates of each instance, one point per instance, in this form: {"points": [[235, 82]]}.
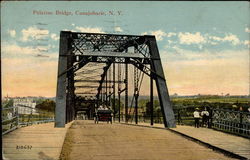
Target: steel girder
{"points": [[60, 110], [105, 70], [168, 114], [79, 49]]}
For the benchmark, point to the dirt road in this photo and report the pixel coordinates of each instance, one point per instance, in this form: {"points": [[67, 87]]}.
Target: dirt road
{"points": [[88, 141]]}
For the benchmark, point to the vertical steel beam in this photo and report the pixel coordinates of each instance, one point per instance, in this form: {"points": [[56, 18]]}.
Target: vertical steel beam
{"points": [[136, 93], [60, 110], [136, 109], [101, 98], [109, 81], [151, 100], [106, 86], [70, 88], [119, 105], [119, 92], [166, 107], [126, 92], [114, 90]]}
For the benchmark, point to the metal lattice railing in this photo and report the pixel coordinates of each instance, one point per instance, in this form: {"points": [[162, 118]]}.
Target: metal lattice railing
{"points": [[9, 119], [19, 116], [236, 122]]}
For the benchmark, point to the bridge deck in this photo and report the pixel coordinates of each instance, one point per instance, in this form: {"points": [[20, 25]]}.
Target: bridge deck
{"points": [[117, 141], [86, 140], [46, 142], [231, 143]]}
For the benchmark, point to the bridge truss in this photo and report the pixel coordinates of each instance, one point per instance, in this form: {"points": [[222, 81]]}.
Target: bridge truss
{"points": [[90, 69]]}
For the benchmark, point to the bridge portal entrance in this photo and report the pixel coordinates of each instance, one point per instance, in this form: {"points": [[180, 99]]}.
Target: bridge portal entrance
{"points": [[90, 73]]}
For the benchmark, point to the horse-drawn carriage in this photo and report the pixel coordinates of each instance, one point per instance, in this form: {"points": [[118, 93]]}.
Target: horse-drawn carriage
{"points": [[103, 115]]}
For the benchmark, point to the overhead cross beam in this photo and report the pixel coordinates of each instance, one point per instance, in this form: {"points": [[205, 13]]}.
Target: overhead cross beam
{"points": [[98, 81]]}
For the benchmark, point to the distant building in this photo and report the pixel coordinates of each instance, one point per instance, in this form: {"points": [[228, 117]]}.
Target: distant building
{"points": [[25, 105]]}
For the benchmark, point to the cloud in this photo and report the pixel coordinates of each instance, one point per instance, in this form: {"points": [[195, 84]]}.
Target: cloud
{"points": [[247, 30], [232, 38], [215, 38], [199, 39], [90, 30], [14, 50], [33, 33], [247, 43], [189, 38], [171, 34], [17, 50], [118, 29], [72, 30], [227, 38], [178, 54], [54, 36], [159, 34], [12, 33]]}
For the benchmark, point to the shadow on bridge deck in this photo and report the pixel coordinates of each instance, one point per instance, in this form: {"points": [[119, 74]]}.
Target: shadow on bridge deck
{"points": [[86, 140]]}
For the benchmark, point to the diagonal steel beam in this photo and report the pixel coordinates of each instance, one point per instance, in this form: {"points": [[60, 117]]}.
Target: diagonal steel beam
{"points": [[166, 107], [105, 69]]}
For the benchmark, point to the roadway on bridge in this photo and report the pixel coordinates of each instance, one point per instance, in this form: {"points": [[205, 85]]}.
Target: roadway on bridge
{"points": [[88, 141]]}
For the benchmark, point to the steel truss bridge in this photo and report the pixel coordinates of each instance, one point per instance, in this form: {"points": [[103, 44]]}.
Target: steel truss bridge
{"points": [[93, 69]]}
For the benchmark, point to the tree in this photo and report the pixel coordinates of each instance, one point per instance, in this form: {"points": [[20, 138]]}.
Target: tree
{"points": [[117, 105], [47, 105], [8, 103]]}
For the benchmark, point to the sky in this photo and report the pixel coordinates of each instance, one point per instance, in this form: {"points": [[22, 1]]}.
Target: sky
{"points": [[204, 46]]}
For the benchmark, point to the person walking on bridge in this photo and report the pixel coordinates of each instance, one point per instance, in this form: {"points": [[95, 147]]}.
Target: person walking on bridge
{"points": [[196, 118], [205, 117]]}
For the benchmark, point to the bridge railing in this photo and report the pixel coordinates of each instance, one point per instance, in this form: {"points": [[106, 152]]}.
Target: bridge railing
{"points": [[21, 115], [235, 122], [9, 119]]}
